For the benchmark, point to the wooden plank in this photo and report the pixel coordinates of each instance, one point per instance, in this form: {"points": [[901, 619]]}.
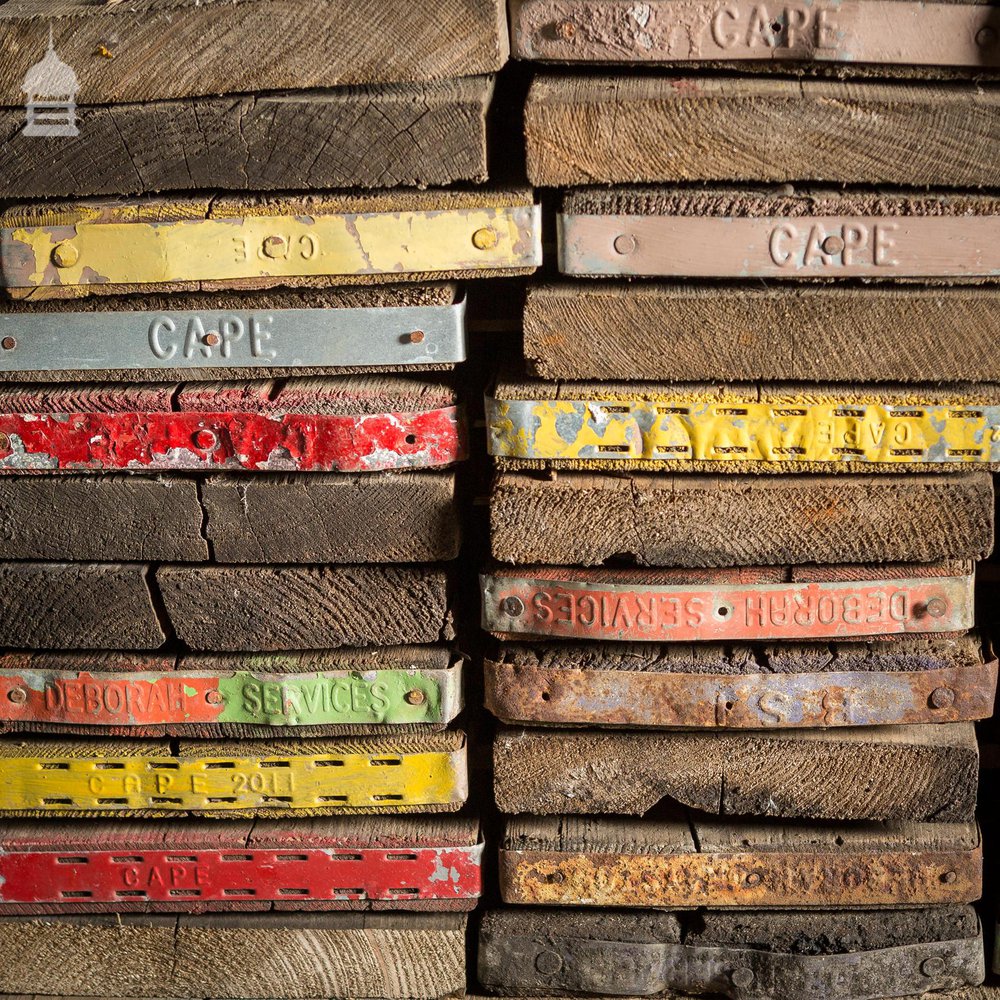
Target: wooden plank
{"points": [[216, 243], [625, 129], [765, 427], [78, 606], [53, 605], [264, 330], [387, 518], [233, 779], [202, 866], [690, 862], [409, 135], [838, 954], [704, 686], [741, 34], [667, 520], [786, 234], [809, 333], [381, 689], [724, 605], [411, 956], [228, 608], [888, 773], [284, 45], [352, 424], [321, 518]]}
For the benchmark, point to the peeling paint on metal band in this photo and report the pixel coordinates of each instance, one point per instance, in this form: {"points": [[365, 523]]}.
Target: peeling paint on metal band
{"points": [[844, 878], [897, 33], [390, 243], [617, 968], [780, 247], [676, 429], [391, 336], [593, 609], [776, 700], [222, 783], [280, 442], [206, 697], [289, 875]]}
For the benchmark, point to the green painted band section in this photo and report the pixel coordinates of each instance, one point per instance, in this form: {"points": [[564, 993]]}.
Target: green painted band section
{"points": [[395, 697]]}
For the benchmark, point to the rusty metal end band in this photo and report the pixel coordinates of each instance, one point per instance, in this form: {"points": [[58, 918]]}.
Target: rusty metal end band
{"points": [[617, 968], [749, 878], [676, 430], [231, 784], [721, 612], [899, 32], [384, 243], [395, 337], [654, 699], [203, 697], [239, 874], [716, 246]]}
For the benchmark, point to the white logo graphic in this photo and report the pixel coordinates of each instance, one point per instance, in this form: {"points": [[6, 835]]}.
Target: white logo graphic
{"points": [[51, 87]]}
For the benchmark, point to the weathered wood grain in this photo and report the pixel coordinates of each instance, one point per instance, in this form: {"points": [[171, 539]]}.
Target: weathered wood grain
{"points": [[690, 862], [646, 129], [393, 518], [400, 135], [259, 957], [676, 332], [78, 606], [386, 299], [110, 518], [886, 773], [650, 520], [118, 52], [226, 608]]}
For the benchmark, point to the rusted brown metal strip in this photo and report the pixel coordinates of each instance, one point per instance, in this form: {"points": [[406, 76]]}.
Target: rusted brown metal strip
{"points": [[558, 695]]}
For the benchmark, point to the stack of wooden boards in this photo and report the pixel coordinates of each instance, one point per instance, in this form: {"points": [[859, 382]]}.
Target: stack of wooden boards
{"points": [[228, 682], [737, 506]]}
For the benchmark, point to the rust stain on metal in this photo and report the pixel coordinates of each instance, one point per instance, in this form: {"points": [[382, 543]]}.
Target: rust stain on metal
{"points": [[751, 878], [567, 696]]}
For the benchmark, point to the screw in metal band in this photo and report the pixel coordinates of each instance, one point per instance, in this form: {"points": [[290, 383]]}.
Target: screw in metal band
{"points": [[211, 339], [833, 245], [949, 878], [942, 697], [414, 697], [65, 255], [417, 337], [985, 37], [742, 978], [204, 439], [753, 879], [548, 963], [625, 244], [8, 343], [17, 695], [214, 697], [566, 30], [485, 238], [932, 966], [936, 607], [513, 607]]}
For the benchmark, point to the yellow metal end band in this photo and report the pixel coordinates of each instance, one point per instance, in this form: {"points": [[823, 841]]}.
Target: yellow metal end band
{"points": [[678, 430], [94, 252], [65, 784]]}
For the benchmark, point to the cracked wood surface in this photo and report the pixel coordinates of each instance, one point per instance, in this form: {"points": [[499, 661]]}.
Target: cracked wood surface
{"points": [[119, 52], [220, 608], [709, 521], [882, 773], [677, 332], [257, 956], [647, 129], [323, 518], [412, 135]]}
